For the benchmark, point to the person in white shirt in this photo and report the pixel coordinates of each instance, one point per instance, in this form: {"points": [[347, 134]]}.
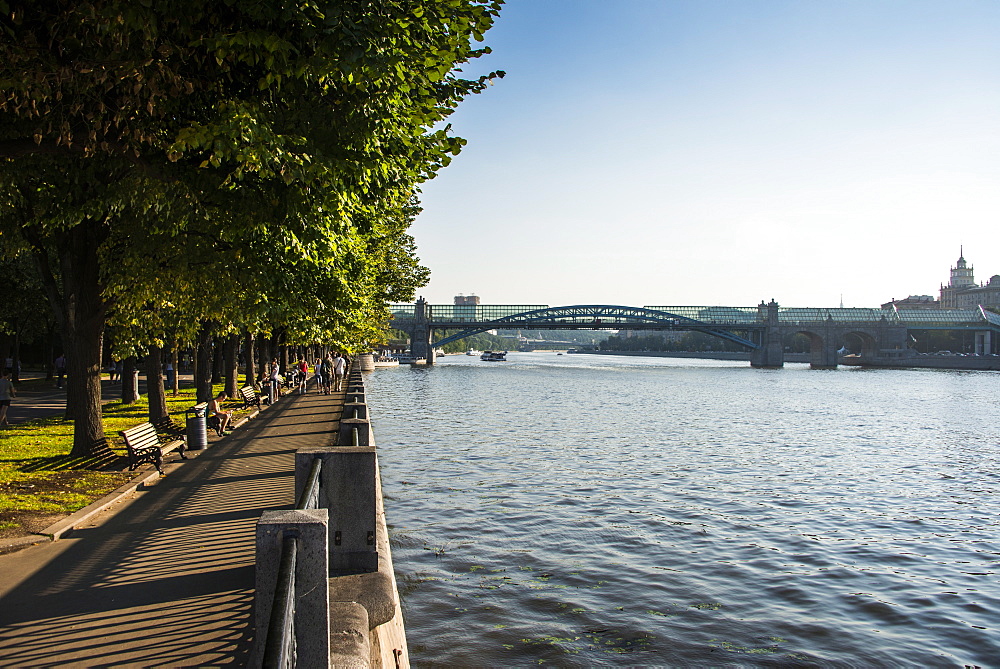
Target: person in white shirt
{"points": [[339, 367]]}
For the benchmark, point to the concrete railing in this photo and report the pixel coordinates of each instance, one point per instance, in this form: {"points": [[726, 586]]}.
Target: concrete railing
{"points": [[335, 602]]}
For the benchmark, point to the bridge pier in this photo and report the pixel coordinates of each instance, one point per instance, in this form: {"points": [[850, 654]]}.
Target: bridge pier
{"points": [[770, 351], [824, 354], [420, 334]]}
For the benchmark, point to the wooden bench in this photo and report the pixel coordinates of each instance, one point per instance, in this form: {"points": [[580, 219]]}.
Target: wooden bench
{"points": [[143, 445], [250, 397], [168, 428]]}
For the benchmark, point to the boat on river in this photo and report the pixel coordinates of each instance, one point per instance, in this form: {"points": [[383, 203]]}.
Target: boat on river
{"points": [[494, 356], [409, 359]]}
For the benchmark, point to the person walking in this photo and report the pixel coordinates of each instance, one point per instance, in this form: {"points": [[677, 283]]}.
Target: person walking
{"points": [[339, 367], [318, 375], [276, 379], [326, 370], [60, 370], [303, 375], [6, 394]]}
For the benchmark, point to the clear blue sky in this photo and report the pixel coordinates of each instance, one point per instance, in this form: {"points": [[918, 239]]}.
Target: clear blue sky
{"points": [[699, 152]]}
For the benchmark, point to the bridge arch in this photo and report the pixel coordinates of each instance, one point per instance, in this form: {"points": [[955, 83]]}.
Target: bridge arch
{"points": [[868, 341], [598, 317], [818, 345]]}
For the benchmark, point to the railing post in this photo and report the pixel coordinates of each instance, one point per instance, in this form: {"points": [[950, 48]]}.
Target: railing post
{"points": [[348, 492], [347, 431], [312, 600]]}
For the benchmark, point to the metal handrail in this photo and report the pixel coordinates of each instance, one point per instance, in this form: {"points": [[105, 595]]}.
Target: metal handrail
{"points": [[309, 499], [279, 644]]}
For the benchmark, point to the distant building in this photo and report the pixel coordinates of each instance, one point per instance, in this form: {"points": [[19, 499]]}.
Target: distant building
{"points": [[962, 291], [914, 302], [465, 307]]}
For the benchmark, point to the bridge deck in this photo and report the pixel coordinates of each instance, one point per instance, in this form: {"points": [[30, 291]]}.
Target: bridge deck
{"points": [[448, 316]]}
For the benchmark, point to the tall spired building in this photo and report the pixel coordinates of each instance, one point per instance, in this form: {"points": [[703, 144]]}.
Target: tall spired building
{"points": [[962, 291]]}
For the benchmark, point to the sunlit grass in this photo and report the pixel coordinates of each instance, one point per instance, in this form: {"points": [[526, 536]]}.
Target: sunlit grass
{"points": [[38, 477]]}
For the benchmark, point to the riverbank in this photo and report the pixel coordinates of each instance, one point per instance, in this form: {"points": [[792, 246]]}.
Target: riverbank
{"points": [[970, 363], [704, 355]]}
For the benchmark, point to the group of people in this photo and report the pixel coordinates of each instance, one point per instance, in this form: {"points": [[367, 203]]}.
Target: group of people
{"points": [[328, 373]]}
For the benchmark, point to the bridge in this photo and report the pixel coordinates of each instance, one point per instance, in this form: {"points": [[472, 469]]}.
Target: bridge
{"points": [[885, 334]]}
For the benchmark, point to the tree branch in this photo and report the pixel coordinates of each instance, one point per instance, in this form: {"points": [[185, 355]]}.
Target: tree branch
{"points": [[19, 148]]}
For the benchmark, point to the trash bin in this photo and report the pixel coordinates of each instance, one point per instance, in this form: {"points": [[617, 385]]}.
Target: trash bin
{"points": [[197, 433], [268, 388]]}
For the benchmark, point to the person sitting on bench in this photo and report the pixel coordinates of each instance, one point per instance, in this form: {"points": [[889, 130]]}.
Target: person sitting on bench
{"points": [[214, 407]]}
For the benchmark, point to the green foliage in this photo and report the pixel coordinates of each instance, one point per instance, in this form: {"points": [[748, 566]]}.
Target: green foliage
{"points": [[479, 342], [253, 165], [23, 309], [235, 137]]}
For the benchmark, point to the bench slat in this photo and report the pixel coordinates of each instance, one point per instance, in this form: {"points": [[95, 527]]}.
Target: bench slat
{"points": [[139, 432], [145, 442]]}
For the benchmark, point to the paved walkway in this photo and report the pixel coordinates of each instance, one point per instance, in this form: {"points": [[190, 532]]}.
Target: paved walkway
{"points": [[40, 401], [167, 580]]}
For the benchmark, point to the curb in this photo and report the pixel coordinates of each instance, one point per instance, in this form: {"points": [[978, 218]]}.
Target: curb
{"points": [[145, 479], [246, 419], [61, 528]]}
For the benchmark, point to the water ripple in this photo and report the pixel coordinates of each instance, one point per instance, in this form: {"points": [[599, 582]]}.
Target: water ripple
{"points": [[586, 511]]}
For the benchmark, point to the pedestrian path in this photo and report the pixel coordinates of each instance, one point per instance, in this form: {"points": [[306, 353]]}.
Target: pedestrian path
{"points": [[34, 401], [167, 580]]}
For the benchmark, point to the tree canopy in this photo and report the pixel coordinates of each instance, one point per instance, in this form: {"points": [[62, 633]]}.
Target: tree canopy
{"points": [[253, 164]]}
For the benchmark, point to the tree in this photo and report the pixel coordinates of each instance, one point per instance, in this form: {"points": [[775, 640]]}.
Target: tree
{"points": [[23, 311], [294, 127]]}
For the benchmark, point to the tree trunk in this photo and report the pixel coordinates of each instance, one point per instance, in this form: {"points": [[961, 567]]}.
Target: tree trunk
{"points": [[203, 364], [219, 360], [284, 360], [232, 365], [154, 386], [130, 380], [175, 360], [264, 350], [80, 311], [251, 371], [50, 354], [15, 375]]}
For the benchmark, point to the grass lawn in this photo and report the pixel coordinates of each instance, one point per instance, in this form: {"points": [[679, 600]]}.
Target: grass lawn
{"points": [[39, 482]]}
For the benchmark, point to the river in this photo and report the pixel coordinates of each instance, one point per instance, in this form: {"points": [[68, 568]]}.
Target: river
{"points": [[582, 510]]}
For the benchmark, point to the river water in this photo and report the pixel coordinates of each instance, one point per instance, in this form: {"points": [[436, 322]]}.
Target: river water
{"points": [[584, 510]]}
